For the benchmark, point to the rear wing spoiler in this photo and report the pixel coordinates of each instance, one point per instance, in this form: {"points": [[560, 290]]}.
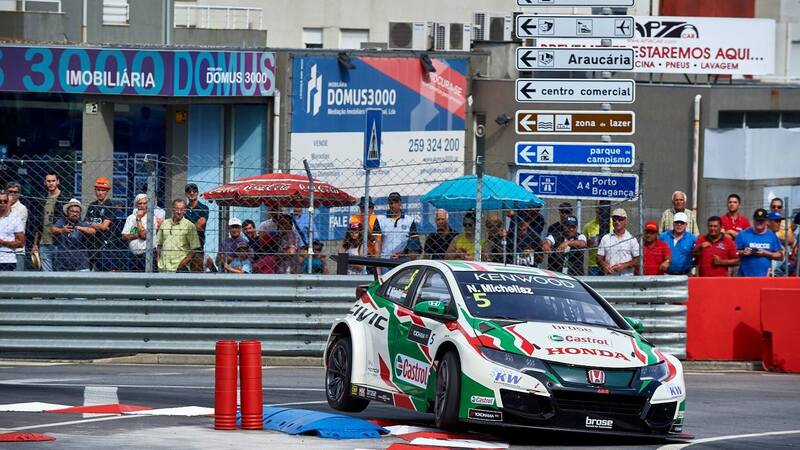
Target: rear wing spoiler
{"points": [[345, 259]]}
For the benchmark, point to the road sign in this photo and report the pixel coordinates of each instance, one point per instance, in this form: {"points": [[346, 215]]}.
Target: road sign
{"points": [[551, 90], [372, 139], [533, 26], [548, 58], [576, 2], [578, 154], [576, 122], [580, 185]]}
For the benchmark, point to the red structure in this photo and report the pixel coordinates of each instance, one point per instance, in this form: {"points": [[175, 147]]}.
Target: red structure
{"points": [[251, 389], [709, 8], [225, 386], [780, 309]]}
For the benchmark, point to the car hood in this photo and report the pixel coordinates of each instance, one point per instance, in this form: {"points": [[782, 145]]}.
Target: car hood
{"points": [[582, 345]]}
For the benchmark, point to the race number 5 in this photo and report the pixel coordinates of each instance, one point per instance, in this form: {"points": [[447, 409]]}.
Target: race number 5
{"points": [[481, 300]]}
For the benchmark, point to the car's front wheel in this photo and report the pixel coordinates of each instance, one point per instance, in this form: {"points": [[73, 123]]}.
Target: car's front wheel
{"points": [[448, 391], [337, 377]]}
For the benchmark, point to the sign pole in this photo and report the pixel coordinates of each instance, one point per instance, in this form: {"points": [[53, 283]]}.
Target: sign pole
{"points": [[641, 218], [372, 160], [365, 216], [310, 216]]}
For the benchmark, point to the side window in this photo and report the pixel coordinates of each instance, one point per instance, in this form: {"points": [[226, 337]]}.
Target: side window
{"points": [[398, 288], [434, 287]]}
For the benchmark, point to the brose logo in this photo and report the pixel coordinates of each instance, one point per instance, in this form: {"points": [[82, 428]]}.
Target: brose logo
{"points": [[411, 371], [604, 424]]}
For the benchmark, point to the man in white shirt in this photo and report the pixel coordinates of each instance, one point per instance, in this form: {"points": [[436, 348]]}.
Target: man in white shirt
{"points": [[396, 228], [20, 211], [12, 235], [618, 252]]}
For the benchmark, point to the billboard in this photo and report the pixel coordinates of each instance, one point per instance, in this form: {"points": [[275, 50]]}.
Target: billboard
{"points": [[694, 45], [146, 72]]}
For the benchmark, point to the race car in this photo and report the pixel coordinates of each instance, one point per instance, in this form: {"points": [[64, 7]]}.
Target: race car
{"points": [[501, 344]]}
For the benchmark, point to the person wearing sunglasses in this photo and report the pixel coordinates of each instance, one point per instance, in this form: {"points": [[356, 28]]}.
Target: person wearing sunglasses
{"points": [[463, 246], [618, 252], [20, 211], [12, 235]]}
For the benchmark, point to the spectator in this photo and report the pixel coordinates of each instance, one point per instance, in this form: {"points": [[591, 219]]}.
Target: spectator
{"points": [[134, 232], [262, 247], [757, 246], [715, 251], [777, 225], [257, 247], [535, 220], [12, 234], [374, 237], [197, 213], [412, 251], [528, 250], [227, 248], [618, 252], [496, 248], [463, 246], [592, 232], [396, 228], [318, 263], [796, 223], [678, 205], [286, 242], [564, 211], [302, 226], [776, 209], [20, 211], [656, 253], [566, 248], [100, 214], [47, 211], [177, 240], [241, 261], [734, 222], [436, 244], [71, 236], [680, 244], [270, 226], [352, 246]]}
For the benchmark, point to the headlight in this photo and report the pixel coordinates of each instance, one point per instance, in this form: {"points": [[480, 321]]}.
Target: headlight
{"points": [[656, 372], [513, 360]]}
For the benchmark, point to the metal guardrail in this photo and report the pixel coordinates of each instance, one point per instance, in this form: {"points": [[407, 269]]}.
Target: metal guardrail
{"points": [[122, 313]]}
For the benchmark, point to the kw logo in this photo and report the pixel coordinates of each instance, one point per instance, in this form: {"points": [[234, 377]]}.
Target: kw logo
{"points": [[314, 92], [505, 377]]}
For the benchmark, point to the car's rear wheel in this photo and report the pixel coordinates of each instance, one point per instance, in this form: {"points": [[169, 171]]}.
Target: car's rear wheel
{"points": [[448, 392], [337, 377]]}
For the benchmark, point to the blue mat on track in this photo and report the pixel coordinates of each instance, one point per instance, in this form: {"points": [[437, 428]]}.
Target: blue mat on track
{"points": [[315, 423]]}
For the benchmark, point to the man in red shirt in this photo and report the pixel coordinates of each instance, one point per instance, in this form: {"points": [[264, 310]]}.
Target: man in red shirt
{"points": [[715, 252], [733, 222], [656, 252]]}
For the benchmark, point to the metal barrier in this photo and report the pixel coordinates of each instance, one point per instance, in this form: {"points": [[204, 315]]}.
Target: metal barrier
{"points": [[121, 313]]}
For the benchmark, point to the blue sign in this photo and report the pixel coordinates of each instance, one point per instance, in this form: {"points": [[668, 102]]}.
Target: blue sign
{"points": [[580, 185], [580, 154], [372, 139]]}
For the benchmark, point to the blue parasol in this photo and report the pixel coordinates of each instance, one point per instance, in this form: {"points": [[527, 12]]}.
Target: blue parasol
{"points": [[458, 194]]}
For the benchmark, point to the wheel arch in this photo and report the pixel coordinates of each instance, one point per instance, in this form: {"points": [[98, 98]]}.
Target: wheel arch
{"points": [[355, 331]]}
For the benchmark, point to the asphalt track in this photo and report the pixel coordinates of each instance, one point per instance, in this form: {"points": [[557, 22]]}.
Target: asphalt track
{"points": [[745, 410]]}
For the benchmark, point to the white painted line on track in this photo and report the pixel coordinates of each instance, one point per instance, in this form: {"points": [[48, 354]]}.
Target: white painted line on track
{"points": [[151, 386], [726, 438], [32, 407], [71, 422]]}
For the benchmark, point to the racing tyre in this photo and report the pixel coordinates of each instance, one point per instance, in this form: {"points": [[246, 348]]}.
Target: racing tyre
{"points": [[337, 378], [448, 392]]}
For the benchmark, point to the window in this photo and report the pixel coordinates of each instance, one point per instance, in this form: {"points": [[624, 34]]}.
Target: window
{"points": [[398, 288], [762, 119], [731, 119], [352, 39], [312, 37], [116, 12], [759, 119], [434, 287]]}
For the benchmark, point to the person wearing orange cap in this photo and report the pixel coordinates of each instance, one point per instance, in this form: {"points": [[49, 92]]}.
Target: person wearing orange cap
{"points": [[656, 252], [100, 213]]}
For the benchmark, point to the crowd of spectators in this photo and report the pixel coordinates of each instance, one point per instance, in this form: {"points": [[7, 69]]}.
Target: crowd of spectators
{"points": [[56, 233]]}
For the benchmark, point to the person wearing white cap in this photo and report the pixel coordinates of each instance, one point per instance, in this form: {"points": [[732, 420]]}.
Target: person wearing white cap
{"points": [[618, 252], [134, 232], [681, 243], [227, 248], [72, 239]]}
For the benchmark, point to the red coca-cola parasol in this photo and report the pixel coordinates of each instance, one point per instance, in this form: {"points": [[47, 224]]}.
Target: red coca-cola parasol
{"points": [[279, 190]]}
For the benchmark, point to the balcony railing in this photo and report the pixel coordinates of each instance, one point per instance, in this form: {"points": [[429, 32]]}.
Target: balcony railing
{"points": [[219, 17]]}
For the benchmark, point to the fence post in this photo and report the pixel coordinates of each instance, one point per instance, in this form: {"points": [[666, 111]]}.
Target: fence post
{"points": [[310, 216], [151, 207], [641, 218]]}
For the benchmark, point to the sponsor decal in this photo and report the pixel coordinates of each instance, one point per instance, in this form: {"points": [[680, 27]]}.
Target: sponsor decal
{"points": [[364, 314], [478, 400], [571, 328], [372, 394], [585, 351], [603, 424], [596, 376], [517, 278], [372, 369], [505, 377], [482, 414], [354, 390], [411, 370], [362, 392], [556, 338], [418, 334], [675, 390], [587, 340]]}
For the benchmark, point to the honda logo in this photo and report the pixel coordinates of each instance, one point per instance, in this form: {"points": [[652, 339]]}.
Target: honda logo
{"points": [[596, 376]]}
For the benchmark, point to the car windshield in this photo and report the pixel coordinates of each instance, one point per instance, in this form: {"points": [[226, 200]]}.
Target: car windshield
{"points": [[530, 298]]}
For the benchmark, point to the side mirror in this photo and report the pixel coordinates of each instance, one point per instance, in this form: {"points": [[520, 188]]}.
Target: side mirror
{"points": [[435, 309], [637, 325]]}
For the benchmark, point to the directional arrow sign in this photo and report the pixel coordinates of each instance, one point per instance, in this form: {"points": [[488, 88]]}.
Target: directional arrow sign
{"points": [[580, 185], [576, 122], [546, 58], [551, 90], [529, 25], [576, 2], [577, 154]]}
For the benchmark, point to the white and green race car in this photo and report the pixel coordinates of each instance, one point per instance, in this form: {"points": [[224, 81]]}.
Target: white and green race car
{"points": [[500, 344]]}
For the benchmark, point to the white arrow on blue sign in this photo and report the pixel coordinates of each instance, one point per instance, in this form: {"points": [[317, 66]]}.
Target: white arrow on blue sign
{"points": [[576, 154], [580, 185], [372, 139]]}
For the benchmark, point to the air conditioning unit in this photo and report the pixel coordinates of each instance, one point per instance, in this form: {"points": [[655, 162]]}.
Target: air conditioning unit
{"points": [[451, 36], [492, 27], [408, 36]]}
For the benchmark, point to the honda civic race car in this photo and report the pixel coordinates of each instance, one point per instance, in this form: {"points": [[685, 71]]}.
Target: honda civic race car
{"points": [[501, 344]]}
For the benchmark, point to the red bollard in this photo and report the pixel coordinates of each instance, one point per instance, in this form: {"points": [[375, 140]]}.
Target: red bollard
{"points": [[250, 382], [225, 386]]}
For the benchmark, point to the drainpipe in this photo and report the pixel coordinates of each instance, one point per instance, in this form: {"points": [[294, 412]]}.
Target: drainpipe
{"points": [[84, 21], [696, 150], [276, 129]]}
